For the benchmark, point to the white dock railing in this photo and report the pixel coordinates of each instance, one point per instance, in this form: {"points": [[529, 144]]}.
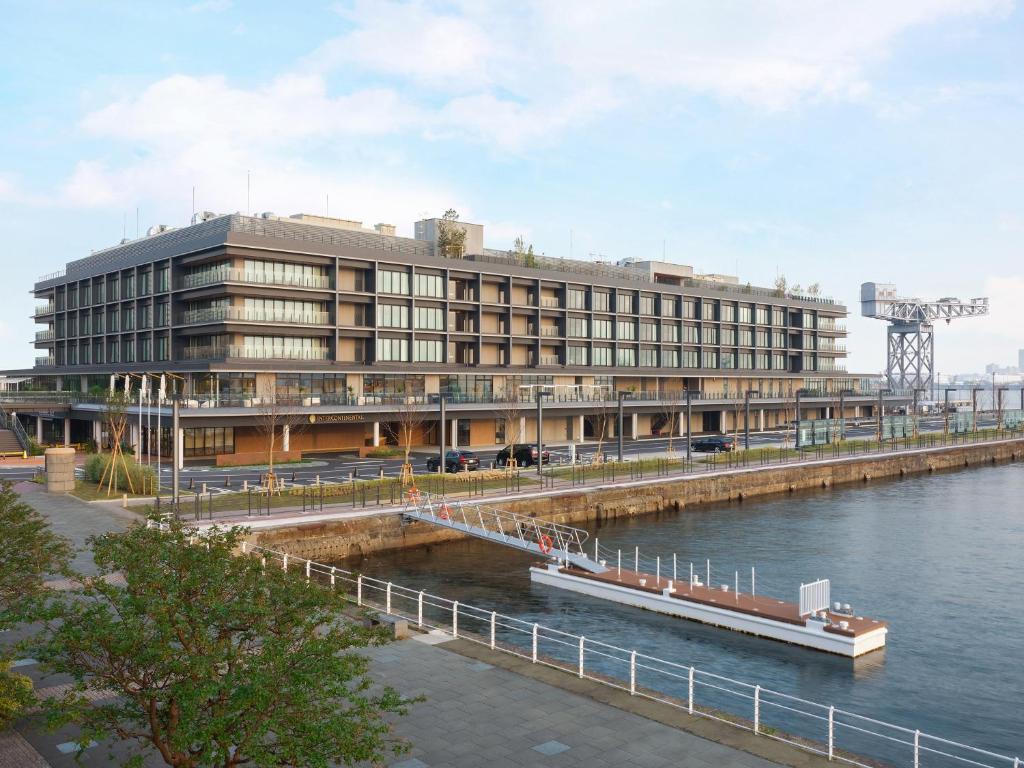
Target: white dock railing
{"points": [[834, 733]]}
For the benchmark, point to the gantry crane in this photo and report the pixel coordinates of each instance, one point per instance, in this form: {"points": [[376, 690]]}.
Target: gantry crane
{"points": [[911, 348]]}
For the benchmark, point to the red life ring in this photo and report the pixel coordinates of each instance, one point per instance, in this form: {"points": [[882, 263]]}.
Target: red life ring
{"points": [[545, 543], [444, 512]]}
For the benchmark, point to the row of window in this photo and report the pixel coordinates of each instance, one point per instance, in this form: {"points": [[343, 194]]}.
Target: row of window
{"points": [[113, 320], [111, 288], [114, 351]]}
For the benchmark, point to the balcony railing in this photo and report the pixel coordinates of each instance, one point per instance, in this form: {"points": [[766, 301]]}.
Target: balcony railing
{"points": [[550, 332], [252, 315], [254, 353], [44, 362], [46, 335], [232, 275], [44, 309], [550, 301]]}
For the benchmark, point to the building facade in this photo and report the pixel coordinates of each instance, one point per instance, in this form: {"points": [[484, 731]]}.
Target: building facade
{"points": [[346, 322]]}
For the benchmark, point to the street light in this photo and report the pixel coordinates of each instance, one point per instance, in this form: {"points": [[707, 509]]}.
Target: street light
{"points": [[541, 394], [746, 416]]}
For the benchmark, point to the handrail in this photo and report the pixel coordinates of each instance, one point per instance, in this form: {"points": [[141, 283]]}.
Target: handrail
{"points": [[801, 723]]}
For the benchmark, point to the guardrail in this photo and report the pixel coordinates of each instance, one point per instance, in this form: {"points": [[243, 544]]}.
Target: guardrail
{"points": [[826, 730]]}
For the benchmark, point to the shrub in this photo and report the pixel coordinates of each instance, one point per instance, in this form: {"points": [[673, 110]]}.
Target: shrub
{"points": [[384, 452], [143, 479]]}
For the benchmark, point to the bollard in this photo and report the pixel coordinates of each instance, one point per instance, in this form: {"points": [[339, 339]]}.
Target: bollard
{"points": [[203, 492], [245, 485], [124, 500]]}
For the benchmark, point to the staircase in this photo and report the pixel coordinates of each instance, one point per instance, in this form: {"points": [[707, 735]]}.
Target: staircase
{"points": [[9, 442]]}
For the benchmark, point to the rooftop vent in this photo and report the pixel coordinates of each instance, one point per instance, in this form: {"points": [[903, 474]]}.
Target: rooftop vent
{"points": [[201, 216], [158, 229]]}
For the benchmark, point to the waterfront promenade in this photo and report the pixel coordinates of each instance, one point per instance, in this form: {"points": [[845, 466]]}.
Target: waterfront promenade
{"points": [[475, 713]]}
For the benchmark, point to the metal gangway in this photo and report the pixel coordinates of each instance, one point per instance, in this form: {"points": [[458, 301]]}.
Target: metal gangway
{"points": [[553, 540]]}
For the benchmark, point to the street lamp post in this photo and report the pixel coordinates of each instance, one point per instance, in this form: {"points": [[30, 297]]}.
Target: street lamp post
{"points": [[442, 430], [689, 413], [175, 447], [619, 429], [746, 416]]}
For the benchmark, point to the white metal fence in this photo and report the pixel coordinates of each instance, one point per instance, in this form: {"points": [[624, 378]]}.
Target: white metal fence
{"points": [[835, 733], [815, 596]]}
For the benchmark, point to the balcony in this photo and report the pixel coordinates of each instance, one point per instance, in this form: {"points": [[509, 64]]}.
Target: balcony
{"points": [[232, 275], [45, 362], [252, 315], [44, 309], [46, 335], [550, 332], [548, 360], [234, 352], [550, 302]]}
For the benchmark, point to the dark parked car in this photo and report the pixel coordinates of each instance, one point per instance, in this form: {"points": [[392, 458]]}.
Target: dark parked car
{"points": [[455, 461], [525, 455], [715, 444]]}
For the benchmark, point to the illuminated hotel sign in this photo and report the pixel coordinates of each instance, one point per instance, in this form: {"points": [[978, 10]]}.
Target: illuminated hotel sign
{"points": [[333, 418]]}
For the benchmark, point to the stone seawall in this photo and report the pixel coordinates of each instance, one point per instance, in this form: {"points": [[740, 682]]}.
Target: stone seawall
{"points": [[335, 540]]}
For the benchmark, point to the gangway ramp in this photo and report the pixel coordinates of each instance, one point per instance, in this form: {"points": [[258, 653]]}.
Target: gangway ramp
{"points": [[558, 542]]}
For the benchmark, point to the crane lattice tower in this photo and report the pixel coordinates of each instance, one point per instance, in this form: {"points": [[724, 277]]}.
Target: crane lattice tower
{"points": [[910, 359]]}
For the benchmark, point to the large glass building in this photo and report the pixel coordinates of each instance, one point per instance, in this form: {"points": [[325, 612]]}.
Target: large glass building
{"points": [[347, 322]]}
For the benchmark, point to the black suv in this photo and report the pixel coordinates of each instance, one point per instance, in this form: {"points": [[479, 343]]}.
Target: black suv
{"points": [[525, 455], [455, 461], [713, 444]]}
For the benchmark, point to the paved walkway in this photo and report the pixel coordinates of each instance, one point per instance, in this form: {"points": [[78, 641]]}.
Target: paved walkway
{"points": [[477, 714]]}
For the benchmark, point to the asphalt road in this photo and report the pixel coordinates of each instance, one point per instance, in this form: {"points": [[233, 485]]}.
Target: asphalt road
{"points": [[339, 467]]}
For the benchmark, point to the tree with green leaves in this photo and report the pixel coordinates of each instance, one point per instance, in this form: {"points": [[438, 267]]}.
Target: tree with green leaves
{"points": [[29, 552], [206, 657], [451, 238]]}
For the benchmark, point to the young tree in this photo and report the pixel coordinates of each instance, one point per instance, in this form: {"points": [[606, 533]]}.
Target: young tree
{"points": [[451, 238], [204, 657], [409, 416], [670, 400], [273, 417], [29, 551], [115, 415], [509, 407]]}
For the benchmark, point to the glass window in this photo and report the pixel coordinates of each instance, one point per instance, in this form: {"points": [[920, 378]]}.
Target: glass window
{"points": [[602, 329], [577, 327], [577, 355], [669, 306], [690, 359], [431, 286], [709, 335], [626, 356], [690, 334], [670, 358], [577, 298], [670, 332], [778, 316], [762, 316], [648, 331], [729, 337], [746, 314], [429, 319], [392, 316], [392, 350], [602, 301], [728, 313], [626, 330], [746, 337], [602, 355], [624, 303], [709, 311], [428, 351], [728, 360], [763, 337], [746, 360], [709, 358], [392, 384], [646, 304], [690, 309], [648, 357], [284, 273], [208, 441], [392, 281]]}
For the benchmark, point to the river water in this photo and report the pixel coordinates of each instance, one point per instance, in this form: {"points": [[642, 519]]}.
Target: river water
{"points": [[940, 557]]}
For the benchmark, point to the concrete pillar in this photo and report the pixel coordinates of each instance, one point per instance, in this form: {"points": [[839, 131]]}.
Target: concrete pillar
{"points": [[286, 438], [522, 429], [453, 432], [376, 434], [634, 418], [579, 428], [681, 423], [760, 420], [83, 384], [180, 437], [67, 431], [97, 433], [133, 439], [723, 423], [856, 411], [39, 429]]}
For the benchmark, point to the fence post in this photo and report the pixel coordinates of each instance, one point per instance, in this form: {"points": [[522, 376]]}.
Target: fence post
{"points": [[581, 657], [419, 610], [494, 617], [534, 655], [632, 673], [757, 709], [387, 600], [917, 749], [332, 575], [359, 589], [690, 693], [307, 570], [455, 620], [831, 731], [284, 562]]}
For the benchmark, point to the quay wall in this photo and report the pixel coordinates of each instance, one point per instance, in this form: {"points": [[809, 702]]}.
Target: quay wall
{"points": [[334, 540]]}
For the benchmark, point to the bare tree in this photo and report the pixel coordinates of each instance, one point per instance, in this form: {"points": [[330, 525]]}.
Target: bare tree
{"points": [[275, 415], [410, 413], [602, 410], [670, 403], [509, 407]]}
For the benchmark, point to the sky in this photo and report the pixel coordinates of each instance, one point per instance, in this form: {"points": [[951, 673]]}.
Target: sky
{"points": [[829, 142]]}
